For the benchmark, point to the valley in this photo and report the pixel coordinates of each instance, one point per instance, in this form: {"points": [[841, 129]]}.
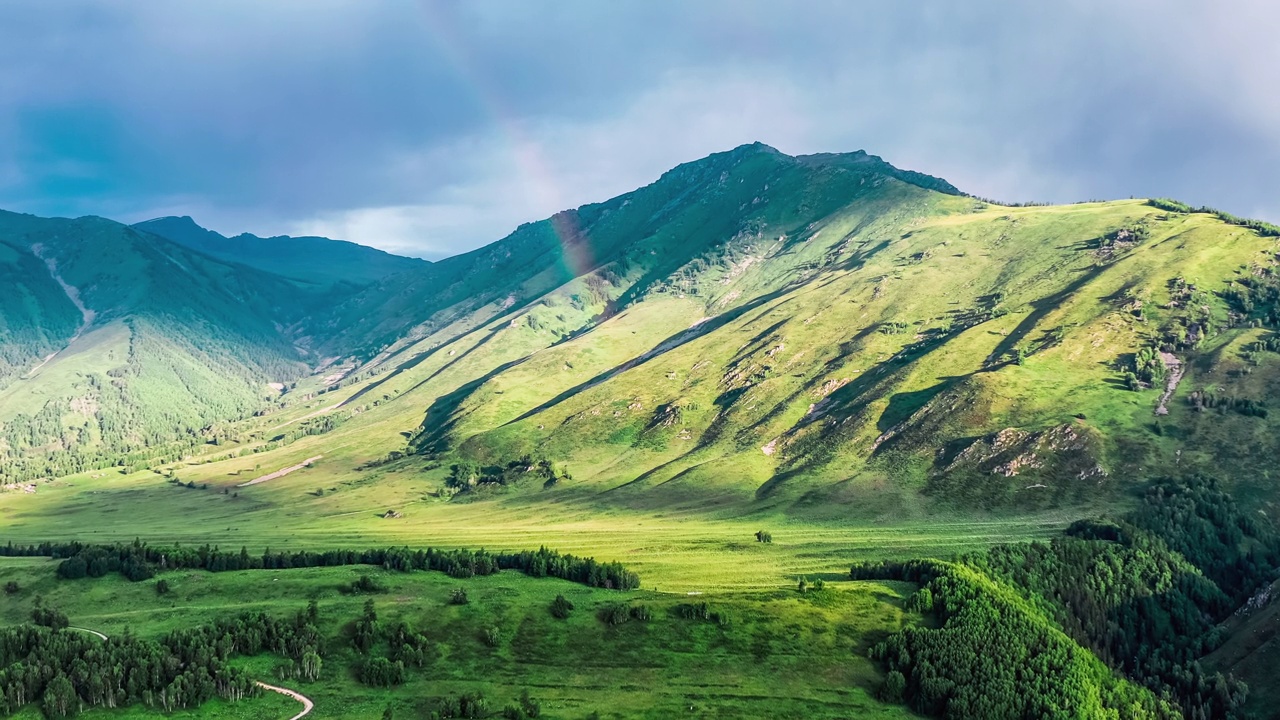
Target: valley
{"points": [[863, 362]]}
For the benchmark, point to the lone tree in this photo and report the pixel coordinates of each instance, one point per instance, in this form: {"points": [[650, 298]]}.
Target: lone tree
{"points": [[764, 536]]}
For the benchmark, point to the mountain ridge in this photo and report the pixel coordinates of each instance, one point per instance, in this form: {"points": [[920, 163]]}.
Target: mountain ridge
{"points": [[312, 259]]}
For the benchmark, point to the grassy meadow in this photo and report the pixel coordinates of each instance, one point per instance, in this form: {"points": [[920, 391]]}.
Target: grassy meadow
{"points": [[782, 654]]}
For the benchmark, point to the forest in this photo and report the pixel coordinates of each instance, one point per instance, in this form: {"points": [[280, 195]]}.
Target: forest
{"points": [[1143, 593], [65, 670]]}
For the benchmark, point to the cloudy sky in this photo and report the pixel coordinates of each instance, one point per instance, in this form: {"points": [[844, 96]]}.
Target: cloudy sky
{"points": [[428, 128]]}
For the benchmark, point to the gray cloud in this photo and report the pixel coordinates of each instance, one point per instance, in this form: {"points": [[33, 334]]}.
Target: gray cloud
{"points": [[430, 128]]}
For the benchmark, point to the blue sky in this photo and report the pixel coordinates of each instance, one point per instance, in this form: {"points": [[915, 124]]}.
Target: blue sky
{"points": [[429, 128]]}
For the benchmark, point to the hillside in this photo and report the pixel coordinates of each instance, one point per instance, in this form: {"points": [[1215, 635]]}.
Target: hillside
{"points": [[315, 260], [120, 343], [759, 330], [828, 332]]}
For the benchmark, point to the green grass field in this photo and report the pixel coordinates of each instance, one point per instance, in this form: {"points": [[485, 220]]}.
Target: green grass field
{"points": [[675, 551], [784, 655]]}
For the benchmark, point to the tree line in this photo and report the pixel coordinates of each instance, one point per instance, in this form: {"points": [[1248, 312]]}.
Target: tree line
{"points": [[1265, 229], [139, 561]]}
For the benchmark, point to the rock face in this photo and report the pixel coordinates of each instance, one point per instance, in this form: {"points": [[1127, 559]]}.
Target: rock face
{"points": [[1020, 467]]}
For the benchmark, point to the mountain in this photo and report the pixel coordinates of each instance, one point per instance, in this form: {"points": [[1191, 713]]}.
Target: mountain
{"points": [[863, 361], [308, 259], [824, 334], [119, 342], [840, 333]]}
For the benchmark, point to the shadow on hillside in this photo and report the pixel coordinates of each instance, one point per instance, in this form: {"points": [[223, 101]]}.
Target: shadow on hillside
{"points": [[445, 406], [421, 357], [667, 345], [1042, 308]]}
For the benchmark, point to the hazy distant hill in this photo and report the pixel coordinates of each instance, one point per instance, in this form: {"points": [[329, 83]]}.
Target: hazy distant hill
{"points": [[310, 259]]}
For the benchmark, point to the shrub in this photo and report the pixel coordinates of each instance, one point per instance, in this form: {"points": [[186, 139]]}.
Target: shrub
{"points": [[12, 588], [458, 597], [49, 617], [380, 672], [561, 607], [893, 688], [468, 705], [162, 587], [364, 585], [614, 614], [491, 637]]}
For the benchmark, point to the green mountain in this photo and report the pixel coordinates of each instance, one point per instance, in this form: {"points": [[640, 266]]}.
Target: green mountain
{"points": [[308, 259], [840, 334], [119, 343]]}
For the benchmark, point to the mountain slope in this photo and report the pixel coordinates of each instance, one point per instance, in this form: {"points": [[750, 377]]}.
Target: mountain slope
{"points": [[711, 208], [119, 342], [828, 332], [308, 259]]}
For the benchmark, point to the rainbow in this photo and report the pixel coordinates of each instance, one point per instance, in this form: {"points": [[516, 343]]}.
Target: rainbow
{"points": [[529, 158]]}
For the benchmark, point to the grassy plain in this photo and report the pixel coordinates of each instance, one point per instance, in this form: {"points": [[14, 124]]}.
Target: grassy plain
{"points": [[782, 654], [673, 550]]}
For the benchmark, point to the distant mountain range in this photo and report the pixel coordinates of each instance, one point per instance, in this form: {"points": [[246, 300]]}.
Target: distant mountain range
{"points": [[826, 333], [309, 259]]}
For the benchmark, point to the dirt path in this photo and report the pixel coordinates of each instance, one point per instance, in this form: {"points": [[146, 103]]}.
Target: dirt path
{"points": [[306, 702], [280, 473], [91, 632], [308, 416], [307, 705], [73, 294]]}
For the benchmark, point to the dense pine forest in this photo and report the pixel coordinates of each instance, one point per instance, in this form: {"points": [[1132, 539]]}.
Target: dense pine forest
{"points": [[1143, 593]]}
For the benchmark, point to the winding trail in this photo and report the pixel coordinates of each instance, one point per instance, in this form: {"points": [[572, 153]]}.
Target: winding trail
{"points": [[307, 705], [306, 702]]}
